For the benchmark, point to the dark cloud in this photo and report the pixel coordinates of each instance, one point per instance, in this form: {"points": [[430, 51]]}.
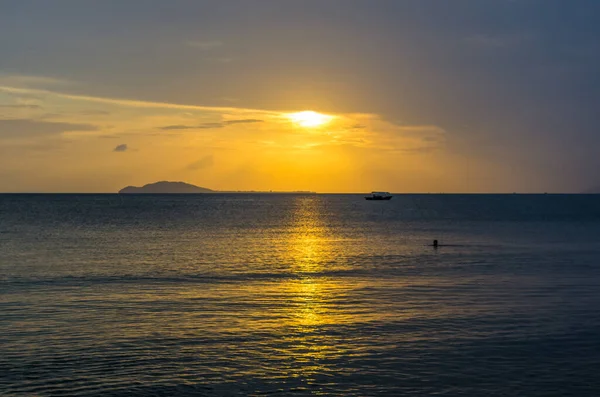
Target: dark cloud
{"points": [[243, 121], [204, 162], [121, 148], [22, 128], [175, 127], [209, 125], [192, 127]]}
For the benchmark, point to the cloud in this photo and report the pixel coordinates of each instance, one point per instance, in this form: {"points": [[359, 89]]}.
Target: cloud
{"points": [[21, 128], [421, 129], [121, 148], [191, 127], [209, 125], [204, 45], [242, 121], [92, 112], [20, 107], [126, 102], [28, 81], [204, 162], [223, 60], [23, 96]]}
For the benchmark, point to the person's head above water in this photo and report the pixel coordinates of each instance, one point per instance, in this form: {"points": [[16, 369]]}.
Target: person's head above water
{"points": [[435, 243]]}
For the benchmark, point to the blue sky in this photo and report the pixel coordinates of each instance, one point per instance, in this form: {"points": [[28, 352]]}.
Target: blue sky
{"points": [[512, 84]]}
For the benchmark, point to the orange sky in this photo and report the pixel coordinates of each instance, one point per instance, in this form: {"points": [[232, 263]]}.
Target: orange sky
{"points": [[78, 143]]}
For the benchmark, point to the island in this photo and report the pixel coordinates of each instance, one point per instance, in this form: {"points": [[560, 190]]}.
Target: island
{"points": [[166, 187]]}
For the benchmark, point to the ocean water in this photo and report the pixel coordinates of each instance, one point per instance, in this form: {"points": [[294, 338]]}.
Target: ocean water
{"points": [[248, 295]]}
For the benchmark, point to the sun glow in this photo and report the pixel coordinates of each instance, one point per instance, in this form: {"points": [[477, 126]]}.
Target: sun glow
{"points": [[309, 118]]}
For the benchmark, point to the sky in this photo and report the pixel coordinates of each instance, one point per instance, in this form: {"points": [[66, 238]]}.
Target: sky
{"points": [[410, 95]]}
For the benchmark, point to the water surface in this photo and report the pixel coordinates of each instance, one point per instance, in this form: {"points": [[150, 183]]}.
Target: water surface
{"points": [[226, 295]]}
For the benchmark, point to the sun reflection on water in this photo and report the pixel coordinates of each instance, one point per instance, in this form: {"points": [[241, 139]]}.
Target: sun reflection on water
{"points": [[308, 245], [311, 294], [289, 315]]}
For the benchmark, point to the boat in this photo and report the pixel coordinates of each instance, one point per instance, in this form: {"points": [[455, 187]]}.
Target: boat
{"points": [[379, 196]]}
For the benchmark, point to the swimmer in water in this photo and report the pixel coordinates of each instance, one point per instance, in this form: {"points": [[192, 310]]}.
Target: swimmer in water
{"points": [[435, 244]]}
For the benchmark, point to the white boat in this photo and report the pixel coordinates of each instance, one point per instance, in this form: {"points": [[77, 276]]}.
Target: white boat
{"points": [[379, 196]]}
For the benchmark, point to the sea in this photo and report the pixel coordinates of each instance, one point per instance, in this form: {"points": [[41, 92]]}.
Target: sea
{"points": [[299, 295]]}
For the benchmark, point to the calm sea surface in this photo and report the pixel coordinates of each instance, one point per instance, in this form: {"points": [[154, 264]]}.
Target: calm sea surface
{"points": [[235, 295]]}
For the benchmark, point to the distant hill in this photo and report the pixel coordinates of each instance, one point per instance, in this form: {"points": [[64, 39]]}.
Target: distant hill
{"points": [[166, 187]]}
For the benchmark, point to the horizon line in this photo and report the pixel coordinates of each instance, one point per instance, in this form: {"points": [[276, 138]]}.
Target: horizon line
{"points": [[294, 192]]}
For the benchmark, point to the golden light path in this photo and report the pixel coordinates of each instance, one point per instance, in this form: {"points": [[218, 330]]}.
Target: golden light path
{"points": [[309, 118]]}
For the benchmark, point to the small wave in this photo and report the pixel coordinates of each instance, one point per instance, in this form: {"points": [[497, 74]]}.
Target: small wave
{"points": [[196, 279]]}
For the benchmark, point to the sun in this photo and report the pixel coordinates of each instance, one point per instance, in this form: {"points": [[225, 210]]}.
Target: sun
{"points": [[309, 118]]}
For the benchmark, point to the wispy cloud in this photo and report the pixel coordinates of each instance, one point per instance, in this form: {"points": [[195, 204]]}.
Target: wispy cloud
{"points": [[222, 59], [30, 81], [204, 45], [23, 128], [209, 125], [127, 102], [191, 127], [194, 129], [20, 106], [93, 112], [243, 121], [421, 129], [204, 162]]}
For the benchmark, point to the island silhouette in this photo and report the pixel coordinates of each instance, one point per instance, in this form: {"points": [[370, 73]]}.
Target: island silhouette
{"points": [[167, 187]]}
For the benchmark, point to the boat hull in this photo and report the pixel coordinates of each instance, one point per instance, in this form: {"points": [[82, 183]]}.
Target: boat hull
{"points": [[378, 198]]}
